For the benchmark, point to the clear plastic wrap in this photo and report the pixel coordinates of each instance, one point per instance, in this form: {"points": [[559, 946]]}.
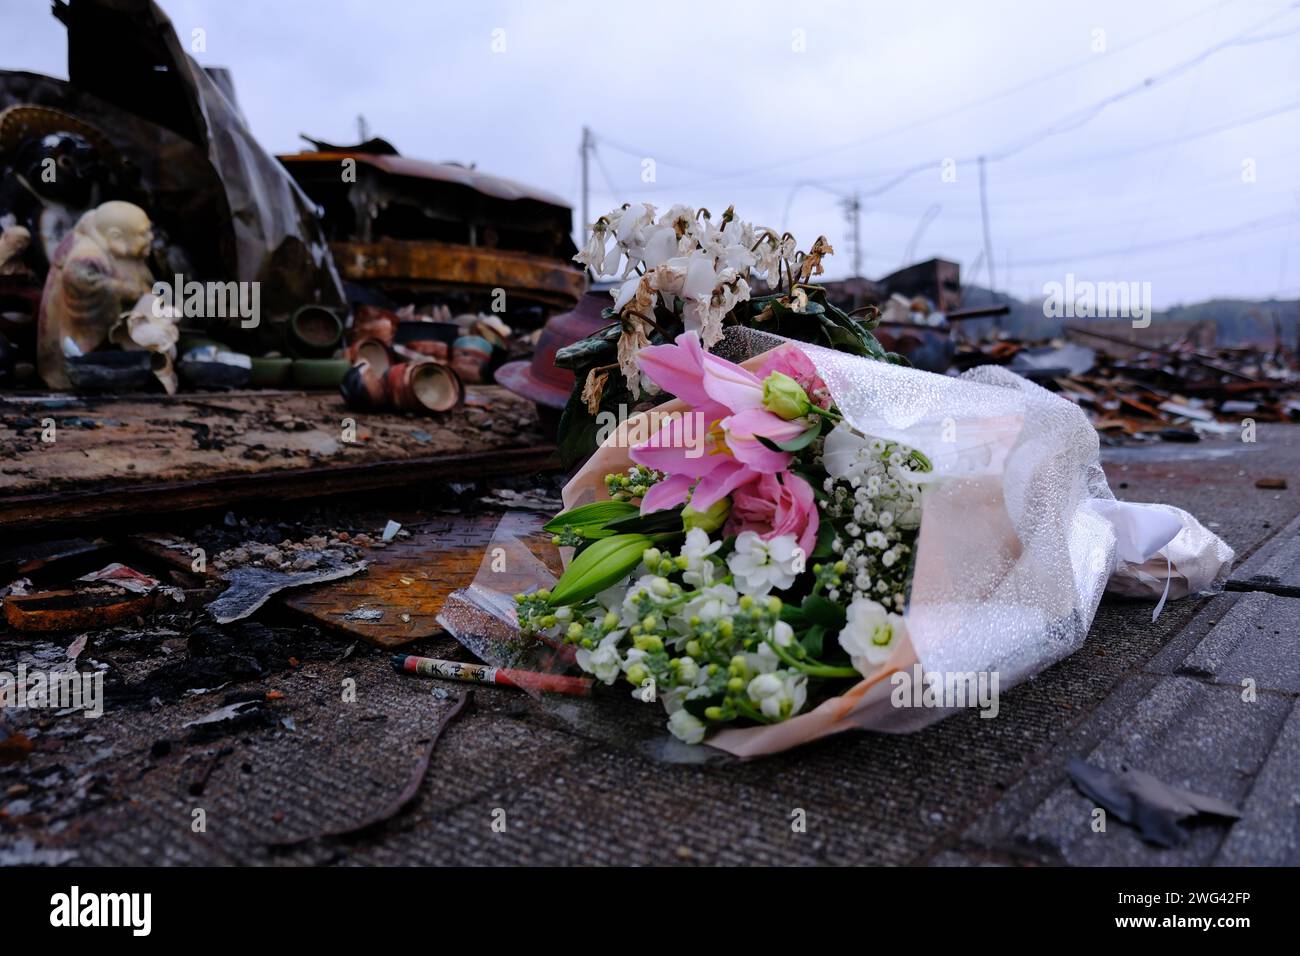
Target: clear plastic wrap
{"points": [[1019, 536]]}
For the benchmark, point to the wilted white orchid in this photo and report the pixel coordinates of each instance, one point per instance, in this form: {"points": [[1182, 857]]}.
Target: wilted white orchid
{"points": [[685, 256]]}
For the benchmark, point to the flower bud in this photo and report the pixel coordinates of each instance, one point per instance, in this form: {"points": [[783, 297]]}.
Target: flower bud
{"points": [[636, 674], [785, 397], [764, 685], [648, 643], [711, 519]]}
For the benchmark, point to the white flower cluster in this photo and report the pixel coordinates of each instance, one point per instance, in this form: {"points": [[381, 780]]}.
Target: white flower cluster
{"points": [[875, 485], [703, 640], [683, 255], [759, 565]]}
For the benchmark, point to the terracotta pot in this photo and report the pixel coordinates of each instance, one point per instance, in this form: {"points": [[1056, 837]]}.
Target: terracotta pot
{"points": [[470, 356], [314, 332], [423, 387], [318, 373], [373, 322], [363, 387], [373, 351]]}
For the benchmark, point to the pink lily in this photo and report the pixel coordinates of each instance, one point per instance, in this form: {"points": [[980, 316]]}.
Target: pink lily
{"points": [[730, 400]]}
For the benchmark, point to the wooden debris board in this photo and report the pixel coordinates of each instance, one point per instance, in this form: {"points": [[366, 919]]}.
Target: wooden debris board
{"points": [[397, 599], [144, 454]]}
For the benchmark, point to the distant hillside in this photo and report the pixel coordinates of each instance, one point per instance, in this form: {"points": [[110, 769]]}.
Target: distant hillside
{"points": [[1238, 321]]}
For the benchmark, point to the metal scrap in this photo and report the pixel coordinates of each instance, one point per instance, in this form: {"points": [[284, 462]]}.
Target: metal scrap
{"points": [[1146, 802], [251, 587]]}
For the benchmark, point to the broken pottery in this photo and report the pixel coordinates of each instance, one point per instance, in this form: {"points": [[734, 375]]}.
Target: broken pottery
{"points": [[150, 326], [423, 387]]}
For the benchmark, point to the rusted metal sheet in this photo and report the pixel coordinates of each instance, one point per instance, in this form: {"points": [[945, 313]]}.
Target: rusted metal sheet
{"points": [[497, 187], [412, 264], [74, 610], [398, 598]]}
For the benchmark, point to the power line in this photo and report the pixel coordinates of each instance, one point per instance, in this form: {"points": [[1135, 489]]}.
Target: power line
{"points": [[1075, 120], [1257, 225], [965, 106]]}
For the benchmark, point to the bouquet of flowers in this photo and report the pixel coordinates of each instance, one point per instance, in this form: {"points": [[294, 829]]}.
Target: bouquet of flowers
{"points": [[756, 556], [806, 536]]}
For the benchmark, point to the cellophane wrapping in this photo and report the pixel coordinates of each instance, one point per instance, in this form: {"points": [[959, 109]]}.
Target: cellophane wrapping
{"points": [[1012, 556]]}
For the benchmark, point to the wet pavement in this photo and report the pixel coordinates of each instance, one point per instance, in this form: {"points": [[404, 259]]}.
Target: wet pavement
{"points": [[325, 735]]}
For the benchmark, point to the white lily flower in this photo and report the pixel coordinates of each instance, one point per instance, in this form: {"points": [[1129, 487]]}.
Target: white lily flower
{"points": [[711, 603], [780, 694], [760, 565], [602, 661], [696, 551], [686, 727], [871, 634], [842, 450]]}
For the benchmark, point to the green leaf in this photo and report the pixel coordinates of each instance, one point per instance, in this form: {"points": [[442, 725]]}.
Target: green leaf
{"points": [[825, 536], [696, 706], [812, 640], [803, 439], [823, 611], [594, 516], [601, 565], [598, 349], [793, 615], [656, 522]]}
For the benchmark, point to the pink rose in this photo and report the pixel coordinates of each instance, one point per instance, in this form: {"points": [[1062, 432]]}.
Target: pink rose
{"points": [[791, 360], [773, 505]]}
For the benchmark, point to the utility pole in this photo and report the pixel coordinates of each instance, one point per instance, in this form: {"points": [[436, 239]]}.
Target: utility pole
{"points": [[363, 130], [988, 242], [588, 143], [853, 211]]}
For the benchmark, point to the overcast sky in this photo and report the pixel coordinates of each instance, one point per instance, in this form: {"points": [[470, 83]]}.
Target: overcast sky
{"points": [[743, 102]]}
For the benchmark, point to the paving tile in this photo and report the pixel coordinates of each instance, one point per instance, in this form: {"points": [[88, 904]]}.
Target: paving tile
{"points": [[1257, 640], [1268, 833], [1202, 737], [1274, 567]]}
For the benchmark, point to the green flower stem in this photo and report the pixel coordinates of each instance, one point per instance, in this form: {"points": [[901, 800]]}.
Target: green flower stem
{"points": [[815, 669], [829, 413], [747, 710]]}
